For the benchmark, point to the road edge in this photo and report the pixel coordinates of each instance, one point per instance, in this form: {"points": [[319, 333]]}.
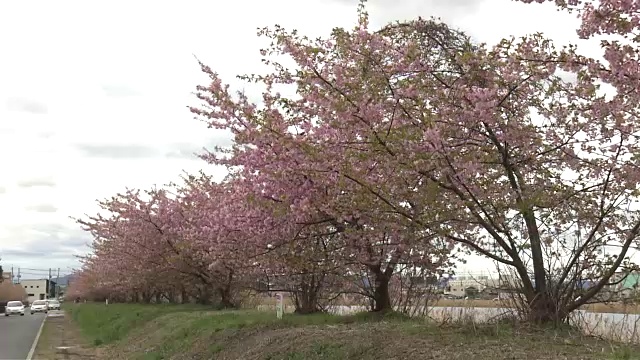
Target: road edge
{"points": [[35, 341]]}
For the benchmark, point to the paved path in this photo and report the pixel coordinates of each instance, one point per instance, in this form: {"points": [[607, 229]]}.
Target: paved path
{"points": [[17, 334]]}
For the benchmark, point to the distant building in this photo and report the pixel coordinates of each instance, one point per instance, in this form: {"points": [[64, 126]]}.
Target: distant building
{"points": [[458, 285], [626, 285], [39, 289], [7, 276]]}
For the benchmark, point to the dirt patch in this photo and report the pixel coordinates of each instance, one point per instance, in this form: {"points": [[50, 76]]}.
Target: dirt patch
{"points": [[62, 340]]}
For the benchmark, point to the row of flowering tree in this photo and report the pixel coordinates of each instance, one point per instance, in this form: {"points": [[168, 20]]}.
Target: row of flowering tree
{"points": [[212, 242], [402, 147]]}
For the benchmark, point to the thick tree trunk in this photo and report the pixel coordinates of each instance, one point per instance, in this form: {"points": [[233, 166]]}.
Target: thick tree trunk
{"points": [[307, 299], [226, 298], [184, 297], [225, 292], [304, 307], [171, 297], [146, 297], [204, 295], [382, 276], [543, 310], [381, 295], [203, 299]]}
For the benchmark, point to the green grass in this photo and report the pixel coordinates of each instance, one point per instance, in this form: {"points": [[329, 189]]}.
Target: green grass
{"points": [[105, 324], [155, 332]]}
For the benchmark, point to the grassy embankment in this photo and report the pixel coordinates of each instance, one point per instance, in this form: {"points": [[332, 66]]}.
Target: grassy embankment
{"points": [[178, 332]]}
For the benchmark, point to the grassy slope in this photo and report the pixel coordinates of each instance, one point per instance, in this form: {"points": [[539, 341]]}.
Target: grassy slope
{"points": [[179, 332]]}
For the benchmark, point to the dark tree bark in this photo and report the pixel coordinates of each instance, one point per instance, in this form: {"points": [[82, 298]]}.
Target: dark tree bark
{"points": [[307, 296], [381, 294], [184, 297], [225, 292]]}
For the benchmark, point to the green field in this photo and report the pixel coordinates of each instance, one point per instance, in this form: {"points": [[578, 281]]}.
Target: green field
{"points": [[125, 331]]}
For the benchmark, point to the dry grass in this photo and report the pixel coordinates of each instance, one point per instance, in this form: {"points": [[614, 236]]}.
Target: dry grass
{"points": [[617, 308]]}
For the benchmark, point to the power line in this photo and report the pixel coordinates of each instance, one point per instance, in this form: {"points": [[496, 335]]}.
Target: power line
{"points": [[41, 276], [45, 270], [35, 271]]}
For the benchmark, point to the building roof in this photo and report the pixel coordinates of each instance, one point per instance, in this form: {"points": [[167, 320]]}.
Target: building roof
{"points": [[33, 280]]}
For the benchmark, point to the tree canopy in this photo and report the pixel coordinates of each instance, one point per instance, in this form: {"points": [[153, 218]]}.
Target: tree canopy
{"points": [[403, 148]]}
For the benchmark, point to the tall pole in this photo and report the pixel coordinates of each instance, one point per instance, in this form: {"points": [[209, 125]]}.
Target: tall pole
{"points": [[48, 285], [57, 286], [12, 281], [19, 275]]}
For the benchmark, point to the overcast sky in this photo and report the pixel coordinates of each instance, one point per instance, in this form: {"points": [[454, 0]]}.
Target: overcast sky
{"points": [[93, 95]]}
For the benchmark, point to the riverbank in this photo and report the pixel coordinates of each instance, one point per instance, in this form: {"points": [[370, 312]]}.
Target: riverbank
{"points": [[609, 308], [123, 331]]}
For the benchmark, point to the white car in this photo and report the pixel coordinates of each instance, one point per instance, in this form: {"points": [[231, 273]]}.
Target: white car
{"points": [[14, 308], [53, 304], [39, 306]]}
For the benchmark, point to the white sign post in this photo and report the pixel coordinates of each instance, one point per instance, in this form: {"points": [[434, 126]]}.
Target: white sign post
{"points": [[279, 305]]}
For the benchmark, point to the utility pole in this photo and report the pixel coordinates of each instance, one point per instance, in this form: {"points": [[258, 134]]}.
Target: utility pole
{"points": [[48, 285], [57, 286], [12, 276], [19, 275]]}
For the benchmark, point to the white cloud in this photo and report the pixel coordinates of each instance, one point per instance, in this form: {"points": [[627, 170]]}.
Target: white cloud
{"points": [[93, 99], [93, 94]]}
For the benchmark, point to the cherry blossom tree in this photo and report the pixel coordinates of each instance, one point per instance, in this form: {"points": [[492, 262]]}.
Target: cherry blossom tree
{"points": [[208, 237], [587, 148], [333, 164], [241, 231], [137, 246], [400, 147], [426, 140]]}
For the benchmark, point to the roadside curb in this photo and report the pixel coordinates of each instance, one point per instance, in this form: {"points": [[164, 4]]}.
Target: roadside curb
{"points": [[35, 341]]}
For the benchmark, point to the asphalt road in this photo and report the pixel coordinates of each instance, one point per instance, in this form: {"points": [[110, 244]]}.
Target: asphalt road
{"points": [[17, 334]]}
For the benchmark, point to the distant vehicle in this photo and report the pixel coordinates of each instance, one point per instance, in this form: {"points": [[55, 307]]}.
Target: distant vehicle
{"points": [[53, 304], [14, 308], [39, 306]]}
